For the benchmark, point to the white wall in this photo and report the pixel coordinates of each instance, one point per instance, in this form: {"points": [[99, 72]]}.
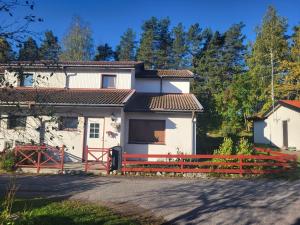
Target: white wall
{"points": [[155, 85], [270, 130], [73, 140], [76, 80], [178, 134]]}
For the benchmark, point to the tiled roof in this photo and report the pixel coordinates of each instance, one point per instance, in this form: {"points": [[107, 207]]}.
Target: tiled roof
{"points": [[164, 74], [143, 102], [45, 64], [59, 96], [295, 103]]}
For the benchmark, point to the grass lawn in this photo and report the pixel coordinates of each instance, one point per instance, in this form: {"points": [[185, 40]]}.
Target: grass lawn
{"points": [[58, 212]]}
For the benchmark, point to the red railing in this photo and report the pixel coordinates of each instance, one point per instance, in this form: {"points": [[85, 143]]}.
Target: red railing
{"points": [[43, 156], [275, 162], [97, 159]]}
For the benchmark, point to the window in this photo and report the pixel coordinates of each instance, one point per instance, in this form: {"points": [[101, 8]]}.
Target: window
{"points": [[15, 122], [2, 79], [147, 131], [94, 130], [108, 81], [26, 80], [68, 123]]}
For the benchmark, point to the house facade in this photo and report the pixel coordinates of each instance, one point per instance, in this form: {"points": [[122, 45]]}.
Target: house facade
{"points": [[280, 127], [99, 105]]}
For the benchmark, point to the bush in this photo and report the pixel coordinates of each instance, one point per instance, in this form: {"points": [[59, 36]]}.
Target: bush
{"points": [[244, 147], [7, 161], [226, 148]]}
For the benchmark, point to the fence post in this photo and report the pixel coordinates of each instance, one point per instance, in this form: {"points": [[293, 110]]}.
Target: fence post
{"points": [[62, 160], [123, 167], [181, 163], [86, 158], [240, 164], [108, 161], [38, 161]]}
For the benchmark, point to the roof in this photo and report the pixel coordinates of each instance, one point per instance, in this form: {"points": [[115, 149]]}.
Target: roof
{"points": [[292, 104], [59, 64], [60, 96], [145, 102], [164, 74]]}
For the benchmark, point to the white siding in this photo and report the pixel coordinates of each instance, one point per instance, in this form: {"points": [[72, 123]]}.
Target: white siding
{"points": [[178, 134], [173, 86], [270, 130], [147, 85]]}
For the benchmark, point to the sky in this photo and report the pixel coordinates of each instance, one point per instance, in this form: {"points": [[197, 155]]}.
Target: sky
{"points": [[110, 18]]}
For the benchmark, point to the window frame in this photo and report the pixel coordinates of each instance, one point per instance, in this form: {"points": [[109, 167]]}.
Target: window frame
{"points": [[108, 75], [12, 118], [131, 139], [94, 129], [24, 77], [61, 124]]}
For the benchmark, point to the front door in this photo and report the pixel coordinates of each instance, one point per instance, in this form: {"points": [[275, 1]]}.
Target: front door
{"points": [[285, 134], [94, 132]]}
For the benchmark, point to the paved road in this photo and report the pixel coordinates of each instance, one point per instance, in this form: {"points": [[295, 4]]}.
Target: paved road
{"points": [[179, 201]]}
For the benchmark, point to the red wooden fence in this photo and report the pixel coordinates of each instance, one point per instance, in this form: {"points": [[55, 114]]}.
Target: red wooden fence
{"points": [[35, 156], [97, 159], [274, 162]]}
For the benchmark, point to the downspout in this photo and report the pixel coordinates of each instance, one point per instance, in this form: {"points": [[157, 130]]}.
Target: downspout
{"points": [[161, 83], [67, 84], [194, 132]]}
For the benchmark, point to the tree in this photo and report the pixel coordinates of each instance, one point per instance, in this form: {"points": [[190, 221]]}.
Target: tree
{"points": [[291, 86], [146, 51], [179, 47], [50, 49], [104, 53], [78, 42], [6, 53], [29, 51], [269, 50], [126, 49], [155, 44]]}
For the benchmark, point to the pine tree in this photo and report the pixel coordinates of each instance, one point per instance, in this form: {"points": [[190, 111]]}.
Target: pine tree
{"points": [[29, 50], [163, 45], [291, 87], [179, 47], [78, 43], [269, 50], [126, 49], [104, 53], [50, 49], [146, 51], [6, 53]]}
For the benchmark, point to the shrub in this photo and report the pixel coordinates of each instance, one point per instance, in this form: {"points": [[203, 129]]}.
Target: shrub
{"points": [[244, 147], [226, 148], [7, 161]]}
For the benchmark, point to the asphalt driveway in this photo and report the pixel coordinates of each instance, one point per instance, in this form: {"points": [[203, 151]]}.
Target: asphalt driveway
{"points": [[179, 201]]}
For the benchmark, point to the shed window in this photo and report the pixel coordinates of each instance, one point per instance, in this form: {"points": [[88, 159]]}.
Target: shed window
{"points": [[147, 131], [108, 81], [15, 122], [68, 123], [26, 80]]}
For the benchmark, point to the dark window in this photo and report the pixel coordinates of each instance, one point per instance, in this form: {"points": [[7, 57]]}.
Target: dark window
{"points": [[16, 122], [147, 131], [108, 81], [68, 123], [2, 79], [94, 130], [26, 80]]}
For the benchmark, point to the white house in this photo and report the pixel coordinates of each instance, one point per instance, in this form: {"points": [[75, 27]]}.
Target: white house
{"points": [[98, 104], [280, 127]]}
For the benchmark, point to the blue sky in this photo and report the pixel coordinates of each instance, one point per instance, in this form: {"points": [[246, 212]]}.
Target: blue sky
{"points": [[110, 18]]}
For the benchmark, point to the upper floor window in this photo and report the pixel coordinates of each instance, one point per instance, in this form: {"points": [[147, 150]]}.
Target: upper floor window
{"points": [[26, 80], [16, 122], [108, 81], [68, 123]]}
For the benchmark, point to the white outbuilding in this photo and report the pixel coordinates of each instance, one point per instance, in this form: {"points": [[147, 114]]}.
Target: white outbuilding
{"points": [[280, 127]]}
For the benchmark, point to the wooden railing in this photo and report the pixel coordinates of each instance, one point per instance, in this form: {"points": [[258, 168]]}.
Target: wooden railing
{"points": [[39, 157], [97, 159], [274, 162]]}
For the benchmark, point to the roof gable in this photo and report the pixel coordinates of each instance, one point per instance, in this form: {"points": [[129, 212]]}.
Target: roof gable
{"points": [[291, 104]]}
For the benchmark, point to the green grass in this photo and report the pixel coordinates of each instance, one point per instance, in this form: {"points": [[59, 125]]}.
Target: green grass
{"points": [[59, 212]]}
